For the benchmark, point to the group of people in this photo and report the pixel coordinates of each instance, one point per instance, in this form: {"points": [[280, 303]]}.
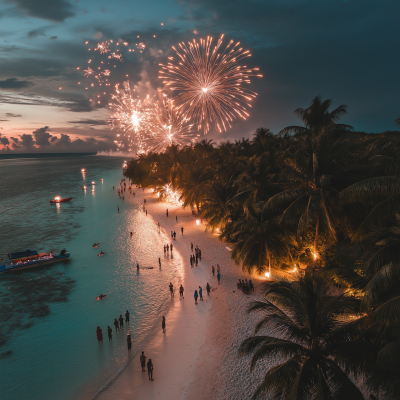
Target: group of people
{"points": [[173, 235], [245, 286], [149, 365], [119, 324], [218, 272], [167, 247]]}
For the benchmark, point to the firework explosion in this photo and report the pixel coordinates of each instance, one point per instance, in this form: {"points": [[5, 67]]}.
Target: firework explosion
{"points": [[169, 128], [169, 194], [209, 82], [132, 116]]}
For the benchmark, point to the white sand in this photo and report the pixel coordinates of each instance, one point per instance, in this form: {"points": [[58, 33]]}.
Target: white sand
{"points": [[197, 356]]}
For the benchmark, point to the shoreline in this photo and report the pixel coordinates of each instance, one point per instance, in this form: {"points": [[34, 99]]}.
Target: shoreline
{"points": [[197, 356]]}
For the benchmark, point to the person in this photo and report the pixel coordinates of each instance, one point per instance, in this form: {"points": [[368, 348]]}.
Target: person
{"points": [[131, 234], [182, 230], [208, 288], [127, 314], [201, 293], [142, 360], [109, 331], [116, 325], [121, 321], [181, 289], [150, 369], [163, 324], [176, 218], [171, 288], [213, 270], [129, 341], [159, 261], [137, 266], [197, 260], [167, 212], [99, 335], [165, 249], [146, 211], [118, 209], [195, 297], [199, 254], [218, 276], [172, 247], [191, 246], [113, 187], [218, 268], [191, 261]]}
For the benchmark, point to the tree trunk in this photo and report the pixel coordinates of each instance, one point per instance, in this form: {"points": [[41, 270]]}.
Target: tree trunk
{"points": [[316, 241]]}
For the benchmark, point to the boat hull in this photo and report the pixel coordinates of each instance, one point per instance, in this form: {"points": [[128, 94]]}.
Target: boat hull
{"points": [[61, 201], [33, 263]]}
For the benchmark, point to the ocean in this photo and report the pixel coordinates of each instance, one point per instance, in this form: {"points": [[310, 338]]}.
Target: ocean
{"points": [[49, 314]]}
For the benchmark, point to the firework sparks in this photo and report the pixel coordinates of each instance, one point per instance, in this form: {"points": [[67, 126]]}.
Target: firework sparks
{"points": [[209, 82], [169, 128], [88, 71], [102, 47], [132, 116], [170, 194], [140, 46]]}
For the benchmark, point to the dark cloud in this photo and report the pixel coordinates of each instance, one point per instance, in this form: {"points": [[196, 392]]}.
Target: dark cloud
{"points": [[15, 140], [14, 83], [36, 32], [79, 105], [12, 115], [89, 122], [53, 37], [27, 141], [4, 120], [54, 10], [4, 141], [42, 137]]}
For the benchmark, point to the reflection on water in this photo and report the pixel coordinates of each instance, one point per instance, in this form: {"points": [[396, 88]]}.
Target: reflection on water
{"points": [[48, 325]]}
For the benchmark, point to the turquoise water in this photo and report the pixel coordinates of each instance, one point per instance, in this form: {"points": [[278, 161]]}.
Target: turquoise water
{"points": [[49, 315]]}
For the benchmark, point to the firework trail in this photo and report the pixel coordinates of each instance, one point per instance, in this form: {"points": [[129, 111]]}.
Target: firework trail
{"points": [[132, 116], [209, 82], [169, 128]]}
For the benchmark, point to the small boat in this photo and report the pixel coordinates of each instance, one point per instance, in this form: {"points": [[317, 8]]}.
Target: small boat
{"points": [[58, 199], [95, 245], [101, 297], [101, 253], [84, 187], [83, 170], [31, 258]]}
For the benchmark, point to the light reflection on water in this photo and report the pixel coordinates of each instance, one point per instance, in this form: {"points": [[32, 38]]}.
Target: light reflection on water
{"points": [[56, 355]]}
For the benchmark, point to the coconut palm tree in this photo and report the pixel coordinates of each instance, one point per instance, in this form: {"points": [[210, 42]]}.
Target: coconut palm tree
{"points": [[307, 339], [258, 240]]}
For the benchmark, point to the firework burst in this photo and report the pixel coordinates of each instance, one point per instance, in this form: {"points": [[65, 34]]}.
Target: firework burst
{"points": [[169, 128], [132, 116], [209, 82]]}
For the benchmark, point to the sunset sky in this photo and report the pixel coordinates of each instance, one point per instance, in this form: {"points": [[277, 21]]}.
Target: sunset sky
{"points": [[344, 50]]}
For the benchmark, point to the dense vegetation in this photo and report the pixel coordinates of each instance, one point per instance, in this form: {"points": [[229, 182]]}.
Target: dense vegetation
{"points": [[321, 198]]}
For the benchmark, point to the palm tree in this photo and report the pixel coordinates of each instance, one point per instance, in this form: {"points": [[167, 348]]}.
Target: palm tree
{"points": [[307, 333], [257, 239]]}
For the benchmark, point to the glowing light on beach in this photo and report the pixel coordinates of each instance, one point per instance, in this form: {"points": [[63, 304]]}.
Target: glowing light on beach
{"points": [[197, 222], [209, 82], [268, 274], [170, 194]]}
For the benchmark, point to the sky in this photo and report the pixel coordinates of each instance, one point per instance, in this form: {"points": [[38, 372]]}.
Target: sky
{"points": [[345, 50]]}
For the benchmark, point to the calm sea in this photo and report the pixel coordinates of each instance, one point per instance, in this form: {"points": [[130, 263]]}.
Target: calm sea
{"points": [[49, 314]]}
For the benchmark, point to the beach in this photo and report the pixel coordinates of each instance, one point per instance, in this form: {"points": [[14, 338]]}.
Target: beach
{"points": [[196, 358]]}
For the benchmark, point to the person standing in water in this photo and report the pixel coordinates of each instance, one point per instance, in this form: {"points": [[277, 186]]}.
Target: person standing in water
{"points": [[150, 369], [218, 277], [121, 321], [181, 289], [171, 288], [163, 324], [142, 361], [116, 325], [137, 266], [118, 209], [127, 314], [99, 334], [129, 341], [109, 331], [195, 297], [201, 293], [208, 288]]}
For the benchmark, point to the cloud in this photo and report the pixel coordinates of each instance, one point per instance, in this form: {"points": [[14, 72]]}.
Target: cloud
{"points": [[12, 115], [42, 137], [36, 32], [27, 141], [54, 10], [4, 141], [15, 140], [4, 120], [89, 122], [14, 83], [53, 37]]}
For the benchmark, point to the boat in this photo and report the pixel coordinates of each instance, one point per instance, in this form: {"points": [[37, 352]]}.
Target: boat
{"points": [[83, 170], [101, 253], [31, 258], [58, 199]]}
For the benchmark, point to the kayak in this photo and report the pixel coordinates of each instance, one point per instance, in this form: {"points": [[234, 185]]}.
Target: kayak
{"points": [[101, 297]]}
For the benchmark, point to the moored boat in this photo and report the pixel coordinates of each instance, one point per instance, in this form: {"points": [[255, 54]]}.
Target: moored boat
{"points": [[58, 199], [31, 258]]}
